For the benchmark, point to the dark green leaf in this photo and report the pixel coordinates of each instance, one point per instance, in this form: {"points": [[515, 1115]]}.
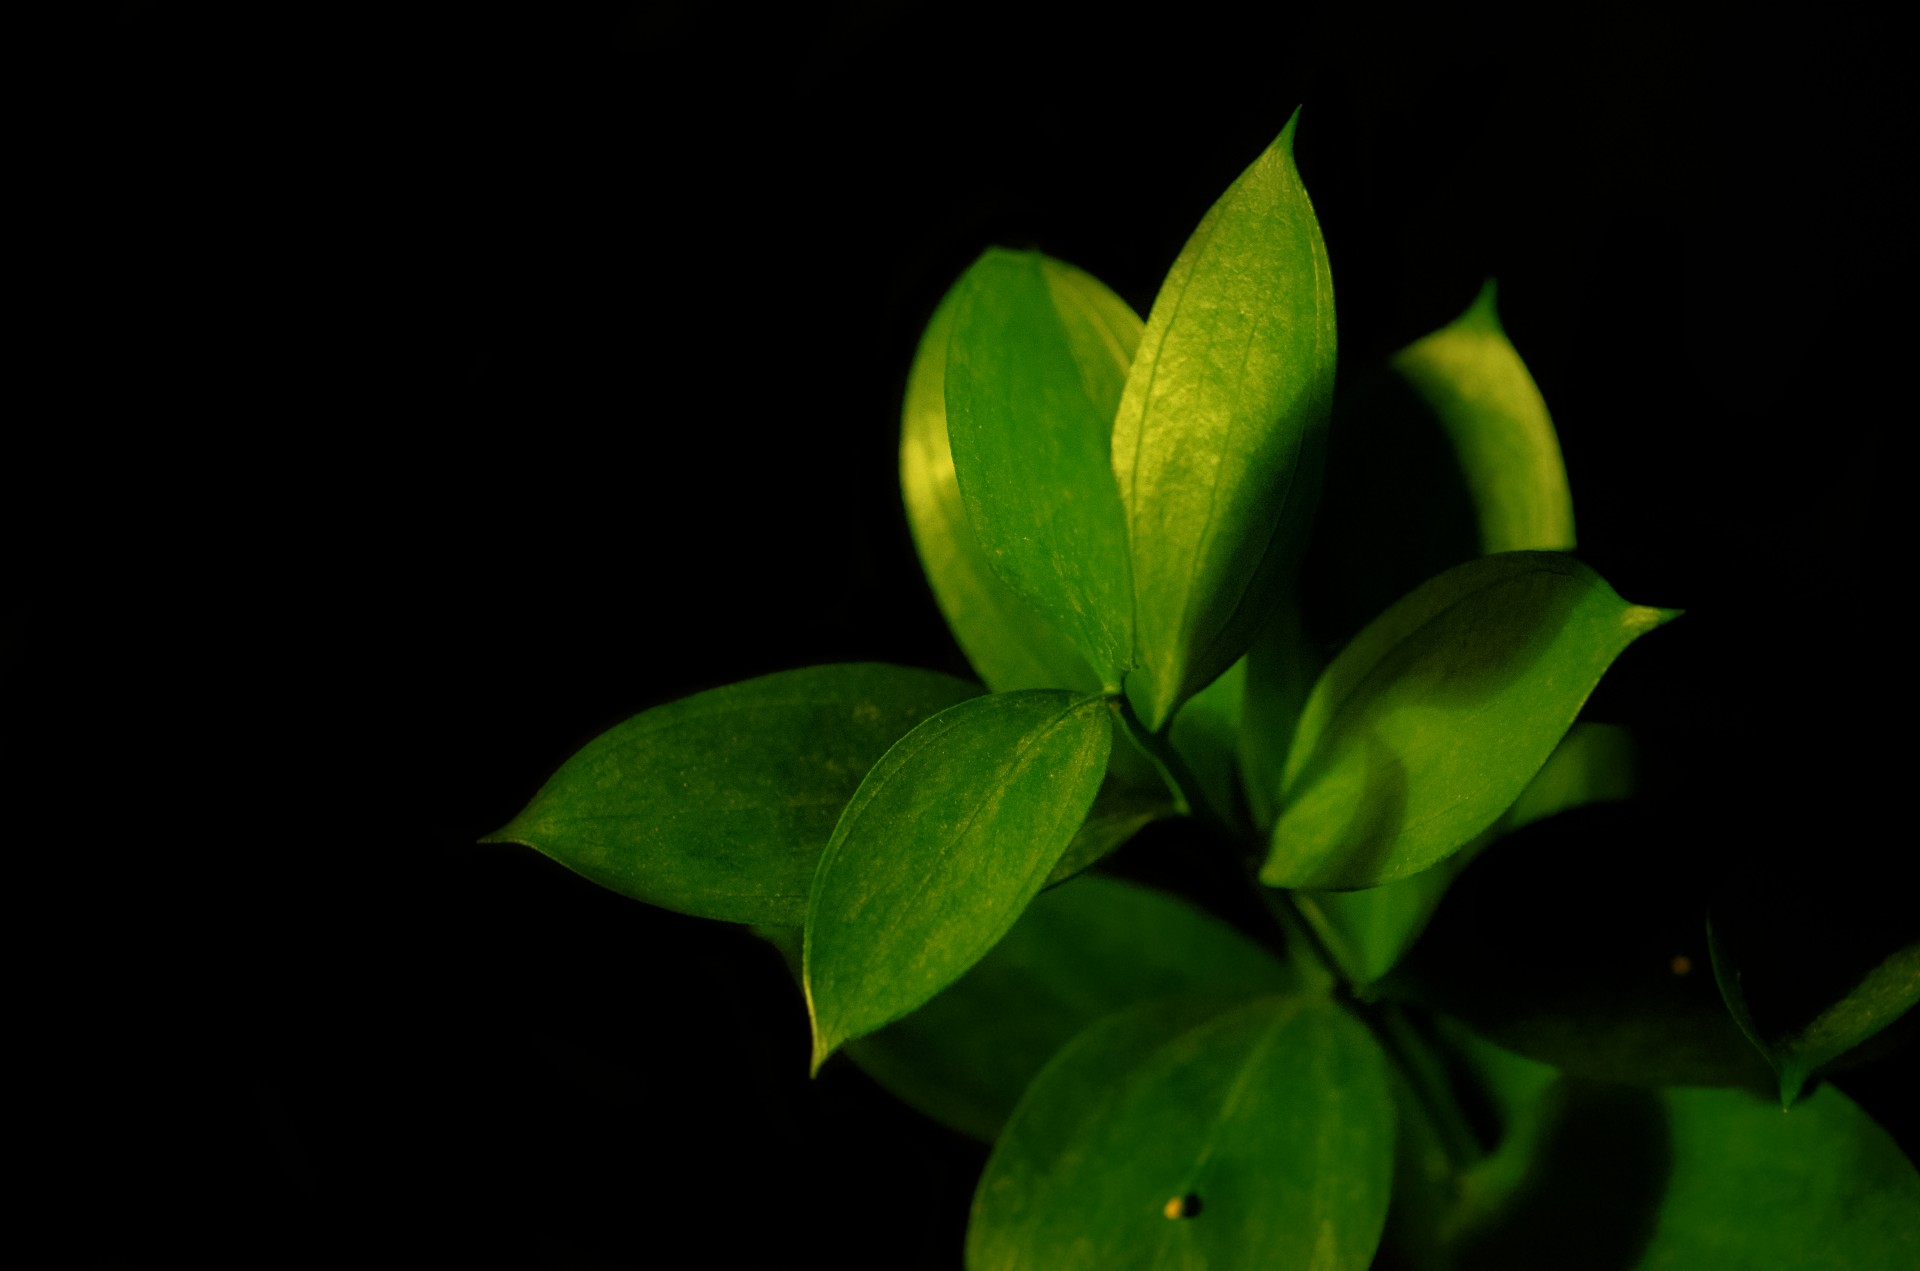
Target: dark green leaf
{"points": [[1180, 1135], [1009, 643], [943, 845], [1882, 995], [1217, 443], [1282, 666], [1035, 362], [1470, 375], [1429, 725], [1368, 931], [1206, 735], [1081, 952], [719, 805]]}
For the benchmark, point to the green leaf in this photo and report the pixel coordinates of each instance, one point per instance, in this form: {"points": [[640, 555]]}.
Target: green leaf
{"points": [[1035, 361], [718, 805], [1433, 720], [1282, 666], [1471, 376], [1369, 931], [1669, 1179], [1218, 440], [1006, 639], [1081, 951], [1177, 1134], [1206, 734], [1886, 992], [943, 845]]}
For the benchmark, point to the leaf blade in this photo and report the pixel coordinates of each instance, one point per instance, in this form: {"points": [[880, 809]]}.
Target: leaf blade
{"points": [[946, 841], [718, 805]]}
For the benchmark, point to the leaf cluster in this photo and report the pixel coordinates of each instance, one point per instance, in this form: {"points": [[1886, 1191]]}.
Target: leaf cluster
{"points": [[1113, 515]]}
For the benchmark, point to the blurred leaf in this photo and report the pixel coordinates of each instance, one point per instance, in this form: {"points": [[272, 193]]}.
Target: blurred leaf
{"points": [[1006, 639], [1035, 362], [1429, 725], [719, 805], [1217, 443], [1081, 951], [1883, 994], [1369, 931], [1180, 1135], [1470, 375], [943, 845]]}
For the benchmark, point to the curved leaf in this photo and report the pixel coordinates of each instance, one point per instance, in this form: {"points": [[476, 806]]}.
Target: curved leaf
{"points": [[1006, 639], [1217, 443], [943, 845], [718, 805], [1369, 931], [1433, 720], [1034, 366], [1180, 1135], [1081, 952], [1471, 376]]}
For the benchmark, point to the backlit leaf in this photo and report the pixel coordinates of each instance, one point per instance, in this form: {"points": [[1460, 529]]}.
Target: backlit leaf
{"points": [[1217, 443], [1427, 727], [719, 805], [943, 845], [1006, 639], [1081, 951], [1035, 361], [1178, 1134]]}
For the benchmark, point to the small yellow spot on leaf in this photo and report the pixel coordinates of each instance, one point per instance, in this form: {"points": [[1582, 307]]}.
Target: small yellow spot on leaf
{"points": [[1682, 964], [1175, 1207]]}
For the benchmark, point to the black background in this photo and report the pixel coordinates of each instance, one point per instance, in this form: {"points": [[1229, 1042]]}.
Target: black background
{"points": [[440, 387]]}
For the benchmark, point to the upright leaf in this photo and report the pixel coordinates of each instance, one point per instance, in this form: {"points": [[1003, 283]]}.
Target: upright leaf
{"points": [[1035, 361], [941, 848], [1081, 952], [1180, 1135], [1368, 931], [1006, 639], [1433, 720], [1887, 990], [1218, 438], [719, 805], [1471, 376]]}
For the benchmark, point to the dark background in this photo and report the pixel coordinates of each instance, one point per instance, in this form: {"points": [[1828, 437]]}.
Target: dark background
{"points": [[441, 387]]}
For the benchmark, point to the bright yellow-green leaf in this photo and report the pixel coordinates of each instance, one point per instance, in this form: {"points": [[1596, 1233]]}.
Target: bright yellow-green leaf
{"points": [[1009, 643], [941, 848], [1180, 1135], [1035, 361], [1081, 951], [1470, 375], [1427, 727], [1368, 931], [1217, 443], [719, 805]]}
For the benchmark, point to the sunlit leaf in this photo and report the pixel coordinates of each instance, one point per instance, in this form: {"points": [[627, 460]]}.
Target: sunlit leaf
{"points": [[1080, 952], [1368, 931], [1217, 443], [1006, 639], [943, 845], [1427, 727], [1469, 374], [1035, 361], [1180, 1135], [1887, 990], [720, 804]]}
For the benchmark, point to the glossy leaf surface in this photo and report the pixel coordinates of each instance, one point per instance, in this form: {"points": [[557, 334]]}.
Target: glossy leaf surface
{"points": [[1217, 443], [1035, 361], [1887, 991], [1472, 378], [1433, 720], [1006, 639], [1176, 1135], [943, 845], [1081, 951], [720, 804], [1368, 931]]}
